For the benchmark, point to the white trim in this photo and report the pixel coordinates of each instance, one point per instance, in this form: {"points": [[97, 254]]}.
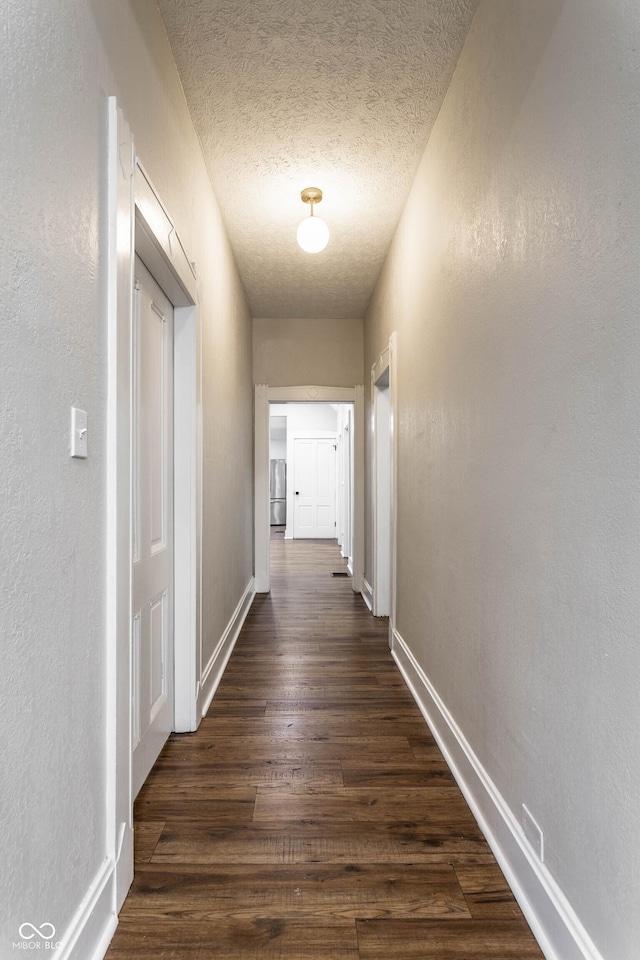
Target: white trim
{"points": [[554, 923], [367, 593], [311, 394], [212, 674], [93, 925], [380, 366], [264, 395], [187, 515], [157, 243], [119, 804], [393, 424], [358, 489], [138, 220], [387, 363], [261, 526], [156, 237]]}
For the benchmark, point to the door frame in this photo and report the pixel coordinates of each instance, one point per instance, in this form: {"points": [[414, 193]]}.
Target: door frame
{"points": [[387, 361], [345, 479], [264, 395], [138, 222]]}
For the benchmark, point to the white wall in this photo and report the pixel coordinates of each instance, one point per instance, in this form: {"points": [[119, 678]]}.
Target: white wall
{"points": [[513, 282], [58, 64], [277, 449], [306, 416]]}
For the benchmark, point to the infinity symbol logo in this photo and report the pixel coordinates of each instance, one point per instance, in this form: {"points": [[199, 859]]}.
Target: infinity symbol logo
{"points": [[34, 930]]}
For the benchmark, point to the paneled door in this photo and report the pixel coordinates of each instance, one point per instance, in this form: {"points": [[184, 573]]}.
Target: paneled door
{"points": [[314, 511], [152, 521]]}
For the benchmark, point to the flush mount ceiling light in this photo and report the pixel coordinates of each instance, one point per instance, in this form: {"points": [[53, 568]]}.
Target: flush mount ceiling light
{"points": [[313, 233]]}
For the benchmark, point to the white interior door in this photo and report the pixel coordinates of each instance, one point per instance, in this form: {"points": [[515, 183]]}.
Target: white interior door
{"points": [[152, 521], [314, 513]]}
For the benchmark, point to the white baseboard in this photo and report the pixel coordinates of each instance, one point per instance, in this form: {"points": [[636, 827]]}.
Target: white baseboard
{"points": [[553, 921], [367, 593], [212, 674], [89, 933]]}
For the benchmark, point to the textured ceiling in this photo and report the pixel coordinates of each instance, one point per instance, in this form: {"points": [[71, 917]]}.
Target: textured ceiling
{"points": [[338, 94]]}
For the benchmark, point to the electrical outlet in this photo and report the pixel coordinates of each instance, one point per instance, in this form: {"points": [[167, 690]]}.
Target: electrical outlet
{"points": [[533, 833]]}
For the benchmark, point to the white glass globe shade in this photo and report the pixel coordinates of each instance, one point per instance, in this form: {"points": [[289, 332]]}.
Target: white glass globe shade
{"points": [[313, 234]]}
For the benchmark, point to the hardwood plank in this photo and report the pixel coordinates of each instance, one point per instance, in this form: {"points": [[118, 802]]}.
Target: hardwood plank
{"points": [[422, 748], [339, 708], [367, 773], [212, 811], [442, 805], [390, 939], [292, 653], [247, 749], [339, 691], [192, 785], [347, 673], [307, 841], [487, 892], [233, 708], [329, 891], [231, 780], [289, 725], [259, 939], [146, 835]]}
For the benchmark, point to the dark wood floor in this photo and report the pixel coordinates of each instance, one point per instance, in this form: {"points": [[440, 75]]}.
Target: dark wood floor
{"points": [[312, 816]]}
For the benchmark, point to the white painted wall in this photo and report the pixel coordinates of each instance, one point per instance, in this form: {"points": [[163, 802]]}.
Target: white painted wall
{"points": [[58, 64], [277, 449], [307, 352], [306, 416], [513, 284]]}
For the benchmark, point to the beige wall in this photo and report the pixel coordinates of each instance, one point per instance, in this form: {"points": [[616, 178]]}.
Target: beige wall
{"points": [[58, 64], [169, 150], [513, 285], [295, 353]]}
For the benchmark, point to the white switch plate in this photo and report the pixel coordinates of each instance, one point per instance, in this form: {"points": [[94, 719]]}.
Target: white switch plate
{"points": [[79, 442]]}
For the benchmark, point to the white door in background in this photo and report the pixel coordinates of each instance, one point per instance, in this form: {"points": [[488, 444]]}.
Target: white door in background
{"points": [[152, 522], [314, 481]]}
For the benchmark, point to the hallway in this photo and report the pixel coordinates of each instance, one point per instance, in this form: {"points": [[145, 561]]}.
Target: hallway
{"points": [[312, 815]]}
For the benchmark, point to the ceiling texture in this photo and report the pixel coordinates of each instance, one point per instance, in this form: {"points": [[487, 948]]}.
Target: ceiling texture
{"points": [[336, 94]]}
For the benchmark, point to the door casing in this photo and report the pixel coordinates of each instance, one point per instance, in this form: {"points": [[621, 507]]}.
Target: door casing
{"points": [[385, 368], [138, 222], [264, 395]]}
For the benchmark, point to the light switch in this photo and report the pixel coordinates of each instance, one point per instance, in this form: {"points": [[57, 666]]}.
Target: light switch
{"points": [[79, 444]]}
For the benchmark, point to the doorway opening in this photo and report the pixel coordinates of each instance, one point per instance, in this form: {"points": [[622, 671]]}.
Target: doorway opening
{"points": [[318, 491], [310, 472]]}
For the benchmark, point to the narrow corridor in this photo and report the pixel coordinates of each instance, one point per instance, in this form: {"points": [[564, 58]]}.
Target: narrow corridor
{"points": [[312, 816]]}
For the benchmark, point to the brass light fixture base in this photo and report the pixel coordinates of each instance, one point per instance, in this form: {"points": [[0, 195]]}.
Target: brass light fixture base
{"points": [[311, 195]]}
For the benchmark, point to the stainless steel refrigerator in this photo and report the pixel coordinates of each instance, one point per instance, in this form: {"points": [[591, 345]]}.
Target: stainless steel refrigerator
{"points": [[278, 491]]}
